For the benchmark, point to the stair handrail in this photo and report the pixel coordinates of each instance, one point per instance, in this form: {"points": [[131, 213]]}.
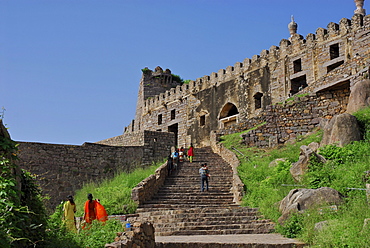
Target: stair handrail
{"points": [[244, 156]]}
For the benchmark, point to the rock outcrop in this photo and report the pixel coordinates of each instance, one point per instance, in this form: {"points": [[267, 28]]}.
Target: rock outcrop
{"points": [[341, 130], [301, 199], [142, 235], [359, 97], [300, 167]]}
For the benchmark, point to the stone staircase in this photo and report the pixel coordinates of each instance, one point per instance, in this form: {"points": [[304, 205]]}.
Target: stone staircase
{"points": [[180, 208]]}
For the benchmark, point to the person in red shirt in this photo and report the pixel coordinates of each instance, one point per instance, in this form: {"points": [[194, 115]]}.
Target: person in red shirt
{"points": [[191, 153]]}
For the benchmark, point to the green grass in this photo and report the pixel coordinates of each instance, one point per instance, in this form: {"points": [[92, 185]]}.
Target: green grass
{"points": [[345, 169], [233, 140], [290, 99], [114, 195], [262, 181], [264, 189]]}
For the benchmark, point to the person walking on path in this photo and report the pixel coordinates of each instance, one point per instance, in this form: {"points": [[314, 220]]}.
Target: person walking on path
{"points": [[191, 153], [169, 164], [90, 209], [69, 210], [175, 158], [204, 175], [181, 154]]}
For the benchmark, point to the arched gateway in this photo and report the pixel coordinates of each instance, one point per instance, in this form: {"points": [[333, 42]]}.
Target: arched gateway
{"points": [[228, 115]]}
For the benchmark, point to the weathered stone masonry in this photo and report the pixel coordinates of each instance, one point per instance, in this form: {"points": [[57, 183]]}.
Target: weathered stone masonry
{"points": [[63, 169], [332, 59], [292, 118], [324, 65]]}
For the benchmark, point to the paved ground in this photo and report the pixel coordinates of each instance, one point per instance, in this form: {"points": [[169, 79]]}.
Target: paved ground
{"points": [[270, 239]]}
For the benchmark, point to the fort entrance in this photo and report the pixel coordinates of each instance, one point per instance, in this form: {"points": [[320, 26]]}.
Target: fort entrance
{"points": [[228, 115]]}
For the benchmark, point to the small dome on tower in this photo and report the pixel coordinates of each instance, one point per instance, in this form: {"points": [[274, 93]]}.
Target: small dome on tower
{"points": [[292, 26], [360, 7]]}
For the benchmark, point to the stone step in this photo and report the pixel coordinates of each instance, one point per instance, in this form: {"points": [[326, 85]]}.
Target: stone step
{"points": [[201, 211], [261, 229], [190, 194], [206, 218], [149, 207], [210, 221], [179, 208], [195, 189], [271, 240], [196, 185], [205, 196], [192, 182], [184, 204], [195, 226]]}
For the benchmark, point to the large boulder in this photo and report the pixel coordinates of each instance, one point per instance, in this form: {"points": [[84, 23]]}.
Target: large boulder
{"points": [[341, 130], [359, 97], [301, 199], [300, 167]]}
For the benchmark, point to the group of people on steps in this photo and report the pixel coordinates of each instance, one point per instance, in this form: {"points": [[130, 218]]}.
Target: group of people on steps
{"points": [[178, 155], [93, 210]]}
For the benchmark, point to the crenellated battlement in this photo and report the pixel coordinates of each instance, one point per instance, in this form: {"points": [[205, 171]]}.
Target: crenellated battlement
{"points": [[291, 47], [330, 57]]}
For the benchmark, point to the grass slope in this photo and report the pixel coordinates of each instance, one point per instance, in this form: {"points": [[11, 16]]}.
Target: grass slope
{"points": [[266, 185]]}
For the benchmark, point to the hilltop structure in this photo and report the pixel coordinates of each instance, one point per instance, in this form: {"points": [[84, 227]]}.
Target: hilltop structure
{"points": [[281, 93], [325, 64]]}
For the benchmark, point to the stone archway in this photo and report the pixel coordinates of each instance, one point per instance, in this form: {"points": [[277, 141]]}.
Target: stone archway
{"points": [[228, 115]]}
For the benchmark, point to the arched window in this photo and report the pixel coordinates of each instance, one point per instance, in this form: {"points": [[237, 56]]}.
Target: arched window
{"points": [[228, 110]]}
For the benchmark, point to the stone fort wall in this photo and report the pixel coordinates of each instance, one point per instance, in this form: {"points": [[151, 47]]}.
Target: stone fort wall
{"points": [[63, 169], [285, 121], [331, 59], [325, 64]]}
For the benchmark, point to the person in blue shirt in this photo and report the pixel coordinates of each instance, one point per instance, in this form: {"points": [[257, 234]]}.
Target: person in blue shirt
{"points": [[204, 175]]}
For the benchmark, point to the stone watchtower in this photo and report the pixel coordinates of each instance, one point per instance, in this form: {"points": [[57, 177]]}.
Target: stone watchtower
{"points": [[152, 83]]}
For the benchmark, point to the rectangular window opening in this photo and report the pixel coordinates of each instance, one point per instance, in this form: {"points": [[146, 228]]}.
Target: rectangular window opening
{"points": [[159, 119], [202, 120], [298, 84], [334, 51], [333, 66], [173, 114], [297, 65], [258, 100]]}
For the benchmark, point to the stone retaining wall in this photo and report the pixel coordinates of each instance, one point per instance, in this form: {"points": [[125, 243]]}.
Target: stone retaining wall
{"points": [[63, 169], [298, 116], [147, 188], [141, 235], [232, 159]]}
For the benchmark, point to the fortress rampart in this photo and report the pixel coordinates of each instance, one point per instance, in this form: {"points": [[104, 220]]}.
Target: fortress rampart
{"points": [[352, 37], [285, 91], [63, 169], [331, 59]]}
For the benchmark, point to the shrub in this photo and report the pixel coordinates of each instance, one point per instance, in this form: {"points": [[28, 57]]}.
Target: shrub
{"points": [[22, 214], [363, 118], [293, 227]]}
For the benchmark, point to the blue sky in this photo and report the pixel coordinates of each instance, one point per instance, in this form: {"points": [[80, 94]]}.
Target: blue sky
{"points": [[70, 69]]}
